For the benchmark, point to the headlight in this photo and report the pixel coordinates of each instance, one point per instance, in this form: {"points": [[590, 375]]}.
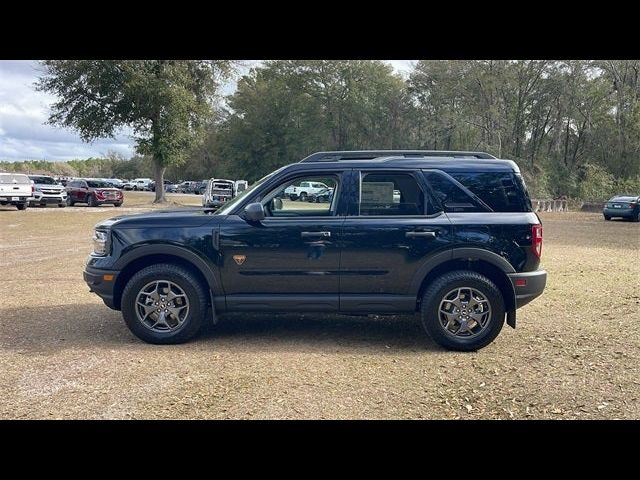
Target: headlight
{"points": [[100, 243]]}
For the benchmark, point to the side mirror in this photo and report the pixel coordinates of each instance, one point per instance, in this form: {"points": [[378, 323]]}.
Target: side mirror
{"points": [[254, 212], [276, 204]]}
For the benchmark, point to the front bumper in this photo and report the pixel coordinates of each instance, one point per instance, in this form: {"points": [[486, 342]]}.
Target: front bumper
{"points": [[100, 284], [39, 197], [528, 285]]}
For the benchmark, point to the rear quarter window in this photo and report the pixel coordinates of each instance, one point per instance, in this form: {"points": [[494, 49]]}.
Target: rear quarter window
{"points": [[502, 191]]}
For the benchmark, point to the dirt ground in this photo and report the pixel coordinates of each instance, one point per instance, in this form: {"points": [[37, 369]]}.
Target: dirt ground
{"points": [[575, 353]]}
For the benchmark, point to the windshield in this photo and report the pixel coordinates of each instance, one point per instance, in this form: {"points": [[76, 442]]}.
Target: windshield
{"points": [[232, 203], [43, 180], [98, 184]]}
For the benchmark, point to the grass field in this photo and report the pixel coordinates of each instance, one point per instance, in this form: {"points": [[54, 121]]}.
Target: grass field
{"points": [[575, 353]]}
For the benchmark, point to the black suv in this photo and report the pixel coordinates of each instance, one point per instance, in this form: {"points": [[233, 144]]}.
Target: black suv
{"points": [[450, 235]]}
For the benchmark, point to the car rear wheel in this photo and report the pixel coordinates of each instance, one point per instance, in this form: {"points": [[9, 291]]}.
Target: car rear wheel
{"points": [[92, 201], [303, 197], [462, 310], [164, 304], [22, 206]]}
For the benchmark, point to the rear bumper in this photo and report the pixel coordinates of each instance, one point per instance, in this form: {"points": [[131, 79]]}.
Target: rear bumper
{"points": [[95, 279], [528, 285], [619, 212]]}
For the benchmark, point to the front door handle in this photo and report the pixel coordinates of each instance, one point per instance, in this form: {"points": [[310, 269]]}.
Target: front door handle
{"points": [[315, 234], [421, 234]]}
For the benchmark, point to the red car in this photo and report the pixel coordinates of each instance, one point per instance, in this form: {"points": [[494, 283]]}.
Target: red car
{"points": [[92, 192]]}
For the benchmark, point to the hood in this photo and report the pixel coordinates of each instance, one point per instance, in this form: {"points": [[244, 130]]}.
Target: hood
{"points": [[163, 219]]}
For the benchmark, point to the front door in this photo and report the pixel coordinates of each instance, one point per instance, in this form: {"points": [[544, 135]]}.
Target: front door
{"points": [[387, 236], [291, 259]]}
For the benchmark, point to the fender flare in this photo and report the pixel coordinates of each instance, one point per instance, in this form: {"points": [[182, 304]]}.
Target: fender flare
{"points": [[198, 262], [458, 254]]}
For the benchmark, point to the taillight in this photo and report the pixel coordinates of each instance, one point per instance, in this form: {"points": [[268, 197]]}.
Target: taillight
{"points": [[33, 188], [632, 205], [536, 239]]}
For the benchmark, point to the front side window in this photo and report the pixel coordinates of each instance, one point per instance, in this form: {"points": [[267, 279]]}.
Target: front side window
{"points": [[383, 194], [295, 199]]}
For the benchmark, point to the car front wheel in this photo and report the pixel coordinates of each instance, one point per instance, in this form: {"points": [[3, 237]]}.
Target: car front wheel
{"points": [[607, 217], [92, 201], [164, 304], [462, 310]]}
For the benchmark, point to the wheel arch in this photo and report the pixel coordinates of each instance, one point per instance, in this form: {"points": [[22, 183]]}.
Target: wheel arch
{"points": [[138, 259], [477, 260]]}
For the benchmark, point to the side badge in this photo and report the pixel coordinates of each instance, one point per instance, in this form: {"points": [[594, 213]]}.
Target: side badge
{"points": [[239, 259]]}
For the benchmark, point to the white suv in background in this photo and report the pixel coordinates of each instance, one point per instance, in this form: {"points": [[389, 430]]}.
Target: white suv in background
{"points": [[303, 190], [138, 184]]}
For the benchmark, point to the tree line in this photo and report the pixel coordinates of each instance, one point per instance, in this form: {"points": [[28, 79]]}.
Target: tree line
{"points": [[572, 126]]}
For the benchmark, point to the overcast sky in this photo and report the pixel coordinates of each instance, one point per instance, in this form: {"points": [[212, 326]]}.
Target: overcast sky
{"points": [[23, 111]]}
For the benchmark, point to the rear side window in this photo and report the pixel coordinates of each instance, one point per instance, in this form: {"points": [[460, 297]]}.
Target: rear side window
{"points": [[451, 197], [383, 194], [502, 191]]}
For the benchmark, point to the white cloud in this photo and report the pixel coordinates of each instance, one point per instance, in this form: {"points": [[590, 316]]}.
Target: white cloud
{"points": [[24, 111]]}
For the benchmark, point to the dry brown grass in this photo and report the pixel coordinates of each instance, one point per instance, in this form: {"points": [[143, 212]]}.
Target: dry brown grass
{"points": [[64, 354]]}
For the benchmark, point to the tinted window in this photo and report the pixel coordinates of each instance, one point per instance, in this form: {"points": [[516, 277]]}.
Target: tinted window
{"points": [[450, 196], [98, 184], [390, 194], [43, 180], [499, 190]]}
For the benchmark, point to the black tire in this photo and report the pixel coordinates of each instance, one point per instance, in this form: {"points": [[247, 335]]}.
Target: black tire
{"points": [[22, 206], [636, 218], [436, 292], [92, 201], [607, 218], [119, 204], [303, 197], [70, 203], [187, 281], [62, 205]]}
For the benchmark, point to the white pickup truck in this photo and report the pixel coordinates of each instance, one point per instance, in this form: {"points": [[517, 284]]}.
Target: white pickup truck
{"points": [[303, 190], [16, 189]]}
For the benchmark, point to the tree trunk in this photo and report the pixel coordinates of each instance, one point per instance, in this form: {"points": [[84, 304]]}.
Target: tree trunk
{"points": [[158, 176]]}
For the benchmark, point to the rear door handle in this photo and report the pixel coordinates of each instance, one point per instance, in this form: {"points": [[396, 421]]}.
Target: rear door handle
{"points": [[315, 234], [421, 234]]}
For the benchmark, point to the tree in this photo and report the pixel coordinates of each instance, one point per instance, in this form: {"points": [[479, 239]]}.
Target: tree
{"points": [[166, 103]]}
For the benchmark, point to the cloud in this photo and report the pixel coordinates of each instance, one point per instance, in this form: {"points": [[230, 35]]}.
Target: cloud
{"points": [[24, 135], [23, 113]]}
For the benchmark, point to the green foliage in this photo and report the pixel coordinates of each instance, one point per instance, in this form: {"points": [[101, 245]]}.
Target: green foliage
{"points": [[166, 103], [573, 127]]}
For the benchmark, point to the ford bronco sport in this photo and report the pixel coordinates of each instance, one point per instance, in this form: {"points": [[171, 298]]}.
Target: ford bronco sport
{"points": [[459, 244]]}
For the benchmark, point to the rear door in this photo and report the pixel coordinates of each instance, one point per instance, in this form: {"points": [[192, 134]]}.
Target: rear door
{"points": [[386, 238]]}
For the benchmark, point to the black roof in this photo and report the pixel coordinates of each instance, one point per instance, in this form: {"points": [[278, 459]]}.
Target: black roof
{"points": [[443, 160], [346, 155]]}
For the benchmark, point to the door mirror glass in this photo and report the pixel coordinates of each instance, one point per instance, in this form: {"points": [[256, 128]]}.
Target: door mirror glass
{"points": [[254, 212], [276, 204]]}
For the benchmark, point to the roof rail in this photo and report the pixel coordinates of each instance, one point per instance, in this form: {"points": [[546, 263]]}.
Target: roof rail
{"points": [[372, 154]]}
